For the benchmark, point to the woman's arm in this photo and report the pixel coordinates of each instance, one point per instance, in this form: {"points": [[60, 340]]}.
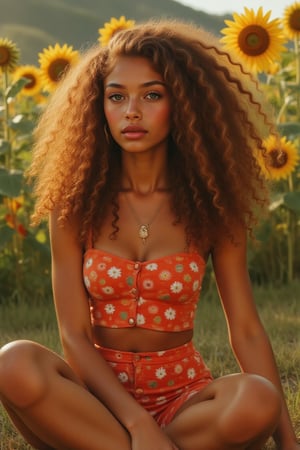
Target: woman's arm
{"points": [[247, 335], [72, 310]]}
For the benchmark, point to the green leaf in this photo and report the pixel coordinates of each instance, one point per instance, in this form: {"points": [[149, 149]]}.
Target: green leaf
{"points": [[15, 88], [277, 201], [4, 146], [6, 235], [21, 124], [289, 129], [11, 183], [292, 201]]}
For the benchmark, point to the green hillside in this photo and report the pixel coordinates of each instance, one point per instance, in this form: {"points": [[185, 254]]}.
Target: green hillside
{"points": [[35, 24]]}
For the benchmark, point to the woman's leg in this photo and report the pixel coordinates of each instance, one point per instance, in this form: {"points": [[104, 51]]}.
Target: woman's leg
{"points": [[234, 412], [50, 406]]}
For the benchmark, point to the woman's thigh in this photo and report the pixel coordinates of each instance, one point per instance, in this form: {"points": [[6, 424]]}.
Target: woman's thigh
{"points": [[49, 404], [235, 411]]}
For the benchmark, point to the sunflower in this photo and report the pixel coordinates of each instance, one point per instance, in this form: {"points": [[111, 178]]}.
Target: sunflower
{"points": [[9, 54], [291, 21], [110, 28], [33, 75], [274, 68], [281, 158], [54, 62], [255, 39]]}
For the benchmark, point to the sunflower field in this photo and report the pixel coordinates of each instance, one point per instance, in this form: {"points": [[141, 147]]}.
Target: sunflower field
{"points": [[270, 49]]}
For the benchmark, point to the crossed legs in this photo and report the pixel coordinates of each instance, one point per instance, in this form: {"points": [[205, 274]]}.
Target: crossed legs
{"points": [[53, 410]]}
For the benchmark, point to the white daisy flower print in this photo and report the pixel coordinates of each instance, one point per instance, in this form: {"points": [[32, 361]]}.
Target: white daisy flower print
{"points": [[114, 272], [108, 290], [89, 262], [93, 275], [170, 314], [101, 266], [160, 373], [123, 377], [140, 319], [148, 284], [161, 400], [165, 275], [178, 369], [194, 266], [141, 300], [151, 266], [153, 309], [191, 373], [87, 282], [109, 308], [196, 285], [176, 287]]}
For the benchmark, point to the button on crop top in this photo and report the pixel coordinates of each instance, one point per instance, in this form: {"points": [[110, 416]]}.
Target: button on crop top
{"points": [[160, 294]]}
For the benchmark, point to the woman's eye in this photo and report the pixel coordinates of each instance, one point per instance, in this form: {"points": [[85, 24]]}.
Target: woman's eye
{"points": [[116, 97], [153, 96]]}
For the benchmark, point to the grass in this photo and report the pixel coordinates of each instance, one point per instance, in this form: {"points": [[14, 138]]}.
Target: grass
{"points": [[279, 309]]}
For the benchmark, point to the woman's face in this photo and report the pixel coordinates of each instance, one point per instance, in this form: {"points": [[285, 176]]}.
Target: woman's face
{"points": [[137, 105]]}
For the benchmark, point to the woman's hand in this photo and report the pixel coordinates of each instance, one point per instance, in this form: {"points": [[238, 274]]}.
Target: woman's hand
{"points": [[147, 435]]}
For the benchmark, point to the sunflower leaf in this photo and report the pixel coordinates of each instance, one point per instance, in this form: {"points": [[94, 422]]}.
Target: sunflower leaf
{"points": [[277, 201], [289, 129], [292, 201], [15, 88], [21, 124], [4, 146], [11, 183]]}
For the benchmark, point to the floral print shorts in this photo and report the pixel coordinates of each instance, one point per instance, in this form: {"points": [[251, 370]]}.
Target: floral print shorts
{"points": [[160, 381]]}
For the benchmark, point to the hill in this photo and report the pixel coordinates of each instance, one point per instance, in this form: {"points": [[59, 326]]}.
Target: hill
{"points": [[35, 24]]}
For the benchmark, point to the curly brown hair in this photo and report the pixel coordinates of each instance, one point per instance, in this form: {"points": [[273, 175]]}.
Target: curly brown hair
{"points": [[218, 123]]}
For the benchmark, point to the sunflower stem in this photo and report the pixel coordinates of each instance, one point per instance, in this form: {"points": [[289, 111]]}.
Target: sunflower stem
{"points": [[290, 243], [297, 54], [6, 133]]}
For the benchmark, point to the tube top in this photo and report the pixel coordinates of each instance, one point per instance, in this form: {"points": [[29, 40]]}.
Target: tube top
{"points": [[160, 294]]}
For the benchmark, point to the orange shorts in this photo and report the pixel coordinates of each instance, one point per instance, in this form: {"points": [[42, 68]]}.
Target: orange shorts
{"points": [[160, 381]]}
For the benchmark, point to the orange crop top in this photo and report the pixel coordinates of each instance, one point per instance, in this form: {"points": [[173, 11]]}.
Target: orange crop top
{"points": [[160, 294]]}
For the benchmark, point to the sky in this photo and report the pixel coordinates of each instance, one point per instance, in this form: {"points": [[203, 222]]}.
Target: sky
{"points": [[221, 7]]}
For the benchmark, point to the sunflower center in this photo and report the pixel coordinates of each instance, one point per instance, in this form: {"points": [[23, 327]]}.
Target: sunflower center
{"points": [[253, 40], [56, 68], [277, 158], [4, 56], [294, 20], [31, 81]]}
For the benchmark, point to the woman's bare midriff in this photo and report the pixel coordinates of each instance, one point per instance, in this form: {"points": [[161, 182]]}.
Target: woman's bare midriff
{"points": [[138, 339]]}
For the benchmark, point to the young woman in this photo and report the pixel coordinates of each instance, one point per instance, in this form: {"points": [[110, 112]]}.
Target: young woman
{"points": [[145, 161]]}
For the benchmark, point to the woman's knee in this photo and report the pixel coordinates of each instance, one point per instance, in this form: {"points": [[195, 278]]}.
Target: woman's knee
{"points": [[254, 409], [22, 378]]}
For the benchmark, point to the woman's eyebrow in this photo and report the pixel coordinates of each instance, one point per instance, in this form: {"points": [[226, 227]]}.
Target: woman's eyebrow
{"points": [[146, 84]]}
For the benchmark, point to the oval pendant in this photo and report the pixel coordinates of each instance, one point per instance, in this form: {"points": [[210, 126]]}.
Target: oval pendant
{"points": [[144, 232]]}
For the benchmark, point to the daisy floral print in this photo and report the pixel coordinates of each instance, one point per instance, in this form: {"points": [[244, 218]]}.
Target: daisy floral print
{"points": [[161, 294], [160, 381]]}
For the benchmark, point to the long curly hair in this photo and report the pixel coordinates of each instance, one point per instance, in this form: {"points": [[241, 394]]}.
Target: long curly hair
{"points": [[217, 127]]}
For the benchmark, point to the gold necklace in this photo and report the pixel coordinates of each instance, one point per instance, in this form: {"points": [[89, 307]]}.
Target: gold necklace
{"points": [[144, 228]]}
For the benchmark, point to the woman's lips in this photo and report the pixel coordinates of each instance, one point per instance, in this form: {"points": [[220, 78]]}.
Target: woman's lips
{"points": [[134, 132]]}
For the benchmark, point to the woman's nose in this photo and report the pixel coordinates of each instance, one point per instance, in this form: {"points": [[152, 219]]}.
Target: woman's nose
{"points": [[133, 111]]}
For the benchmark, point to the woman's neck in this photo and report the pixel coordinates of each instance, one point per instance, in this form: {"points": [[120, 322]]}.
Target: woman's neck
{"points": [[144, 178]]}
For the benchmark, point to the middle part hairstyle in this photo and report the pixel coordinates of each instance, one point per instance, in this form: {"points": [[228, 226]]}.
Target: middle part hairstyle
{"points": [[218, 124]]}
